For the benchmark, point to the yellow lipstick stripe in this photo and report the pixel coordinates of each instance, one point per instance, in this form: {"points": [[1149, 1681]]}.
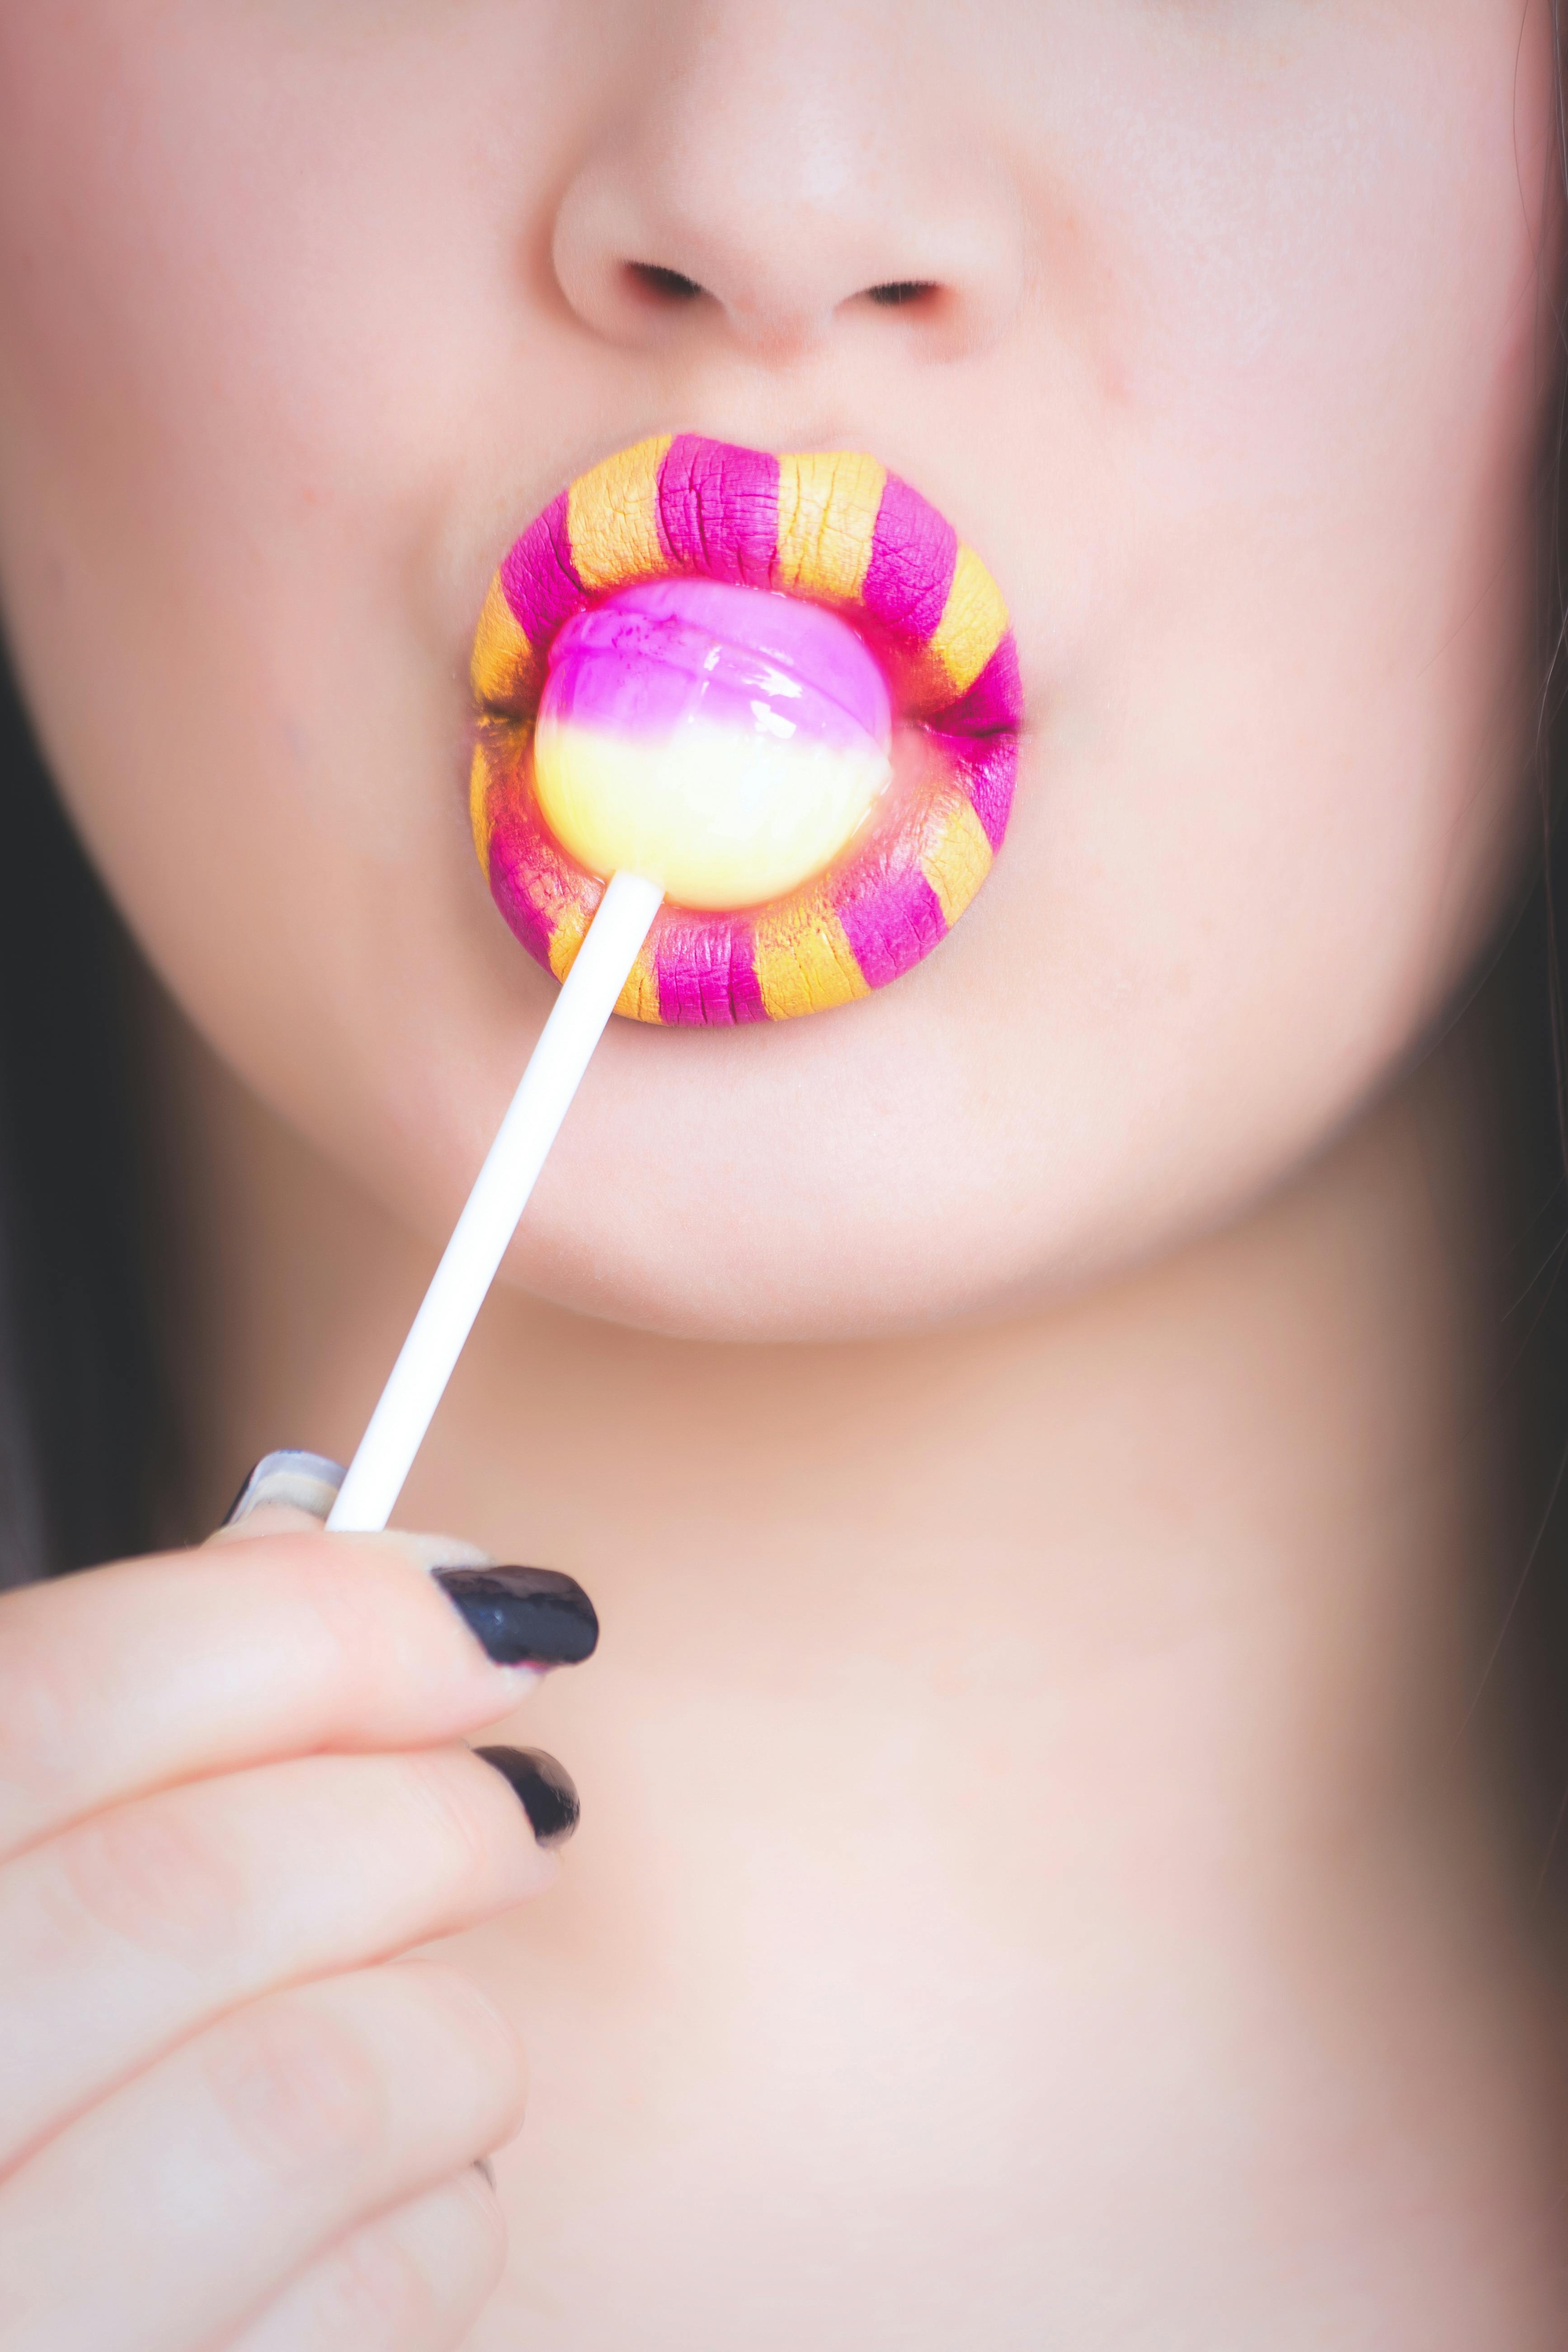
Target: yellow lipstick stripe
{"points": [[612, 518], [973, 625], [955, 857], [639, 998], [479, 805], [571, 929], [827, 519], [504, 669], [805, 962]]}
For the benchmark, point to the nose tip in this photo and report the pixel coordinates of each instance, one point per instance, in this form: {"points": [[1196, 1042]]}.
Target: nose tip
{"points": [[753, 205]]}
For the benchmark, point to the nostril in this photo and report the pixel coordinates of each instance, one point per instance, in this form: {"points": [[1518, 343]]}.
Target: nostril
{"points": [[663, 285], [899, 292]]}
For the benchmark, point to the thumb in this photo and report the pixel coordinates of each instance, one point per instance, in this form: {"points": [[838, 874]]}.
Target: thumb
{"points": [[288, 1492]]}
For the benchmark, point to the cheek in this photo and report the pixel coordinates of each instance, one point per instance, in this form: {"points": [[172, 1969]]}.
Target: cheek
{"points": [[250, 290], [1290, 563]]}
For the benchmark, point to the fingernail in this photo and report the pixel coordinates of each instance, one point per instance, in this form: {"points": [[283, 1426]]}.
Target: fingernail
{"points": [[308, 1482], [543, 1788], [523, 1616]]}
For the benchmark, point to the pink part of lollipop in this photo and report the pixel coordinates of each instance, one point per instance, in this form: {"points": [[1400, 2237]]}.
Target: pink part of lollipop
{"points": [[665, 650]]}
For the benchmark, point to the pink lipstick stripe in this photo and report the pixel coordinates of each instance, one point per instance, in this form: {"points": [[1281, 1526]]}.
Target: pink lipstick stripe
{"points": [[913, 551], [832, 526], [717, 510], [540, 578]]}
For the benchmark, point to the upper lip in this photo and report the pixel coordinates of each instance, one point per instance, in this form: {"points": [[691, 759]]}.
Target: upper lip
{"points": [[836, 526]]}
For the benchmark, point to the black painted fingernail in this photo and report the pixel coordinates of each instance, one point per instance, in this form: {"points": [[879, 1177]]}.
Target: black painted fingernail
{"points": [[308, 1481], [523, 1616], [543, 1787]]}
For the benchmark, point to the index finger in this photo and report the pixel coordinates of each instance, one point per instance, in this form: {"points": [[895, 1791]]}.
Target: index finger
{"points": [[120, 1680]]}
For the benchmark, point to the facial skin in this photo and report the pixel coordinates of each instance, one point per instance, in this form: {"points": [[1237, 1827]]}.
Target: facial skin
{"points": [[1232, 374]]}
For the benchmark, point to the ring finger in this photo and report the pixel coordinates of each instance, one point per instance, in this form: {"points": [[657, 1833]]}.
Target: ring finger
{"points": [[221, 2176]]}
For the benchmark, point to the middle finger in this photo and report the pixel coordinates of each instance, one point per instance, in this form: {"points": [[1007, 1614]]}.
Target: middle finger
{"points": [[132, 1930]]}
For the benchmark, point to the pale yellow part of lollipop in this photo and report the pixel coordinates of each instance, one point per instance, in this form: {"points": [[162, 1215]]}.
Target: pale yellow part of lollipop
{"points": [[720, 822]]}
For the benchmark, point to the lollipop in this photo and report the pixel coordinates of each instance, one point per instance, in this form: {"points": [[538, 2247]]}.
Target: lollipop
{"points": [[747, 734]]}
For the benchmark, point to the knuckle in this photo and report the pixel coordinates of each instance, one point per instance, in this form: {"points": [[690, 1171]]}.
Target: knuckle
{"points": [[297, 2087], [152, 1878]]}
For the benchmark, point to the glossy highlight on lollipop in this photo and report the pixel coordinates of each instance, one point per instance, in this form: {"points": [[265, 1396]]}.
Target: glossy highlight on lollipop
{"points": [[687, 593]]}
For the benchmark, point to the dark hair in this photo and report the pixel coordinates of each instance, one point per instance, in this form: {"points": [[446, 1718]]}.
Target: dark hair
{"points": [[88, 1441]]}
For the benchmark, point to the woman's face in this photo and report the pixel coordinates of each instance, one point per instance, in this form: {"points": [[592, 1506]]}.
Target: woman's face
{"points": [[1233, 376]]}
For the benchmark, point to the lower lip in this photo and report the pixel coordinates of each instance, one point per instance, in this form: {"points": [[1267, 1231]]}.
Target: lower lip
{"points": [[836, 531]]}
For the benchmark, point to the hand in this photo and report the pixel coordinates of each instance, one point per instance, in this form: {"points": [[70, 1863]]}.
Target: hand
{"points": [[232, 1791]]}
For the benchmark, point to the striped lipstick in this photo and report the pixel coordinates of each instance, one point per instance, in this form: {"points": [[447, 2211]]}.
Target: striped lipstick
{"points": [[837, 531]]}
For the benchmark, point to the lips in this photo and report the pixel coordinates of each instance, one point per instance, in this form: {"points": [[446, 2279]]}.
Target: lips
{"points": [[839, 531]]}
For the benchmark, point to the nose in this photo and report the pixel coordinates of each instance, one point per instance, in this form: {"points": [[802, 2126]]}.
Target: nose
{"points": [[779, 172]]}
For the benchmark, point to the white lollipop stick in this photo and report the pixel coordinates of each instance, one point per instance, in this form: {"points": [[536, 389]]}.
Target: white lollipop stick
{"points": [[397, 1426]]}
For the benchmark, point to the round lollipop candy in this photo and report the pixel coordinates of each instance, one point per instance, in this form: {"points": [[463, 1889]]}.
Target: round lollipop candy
{"points": [[728, 742], [747, 734]]}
